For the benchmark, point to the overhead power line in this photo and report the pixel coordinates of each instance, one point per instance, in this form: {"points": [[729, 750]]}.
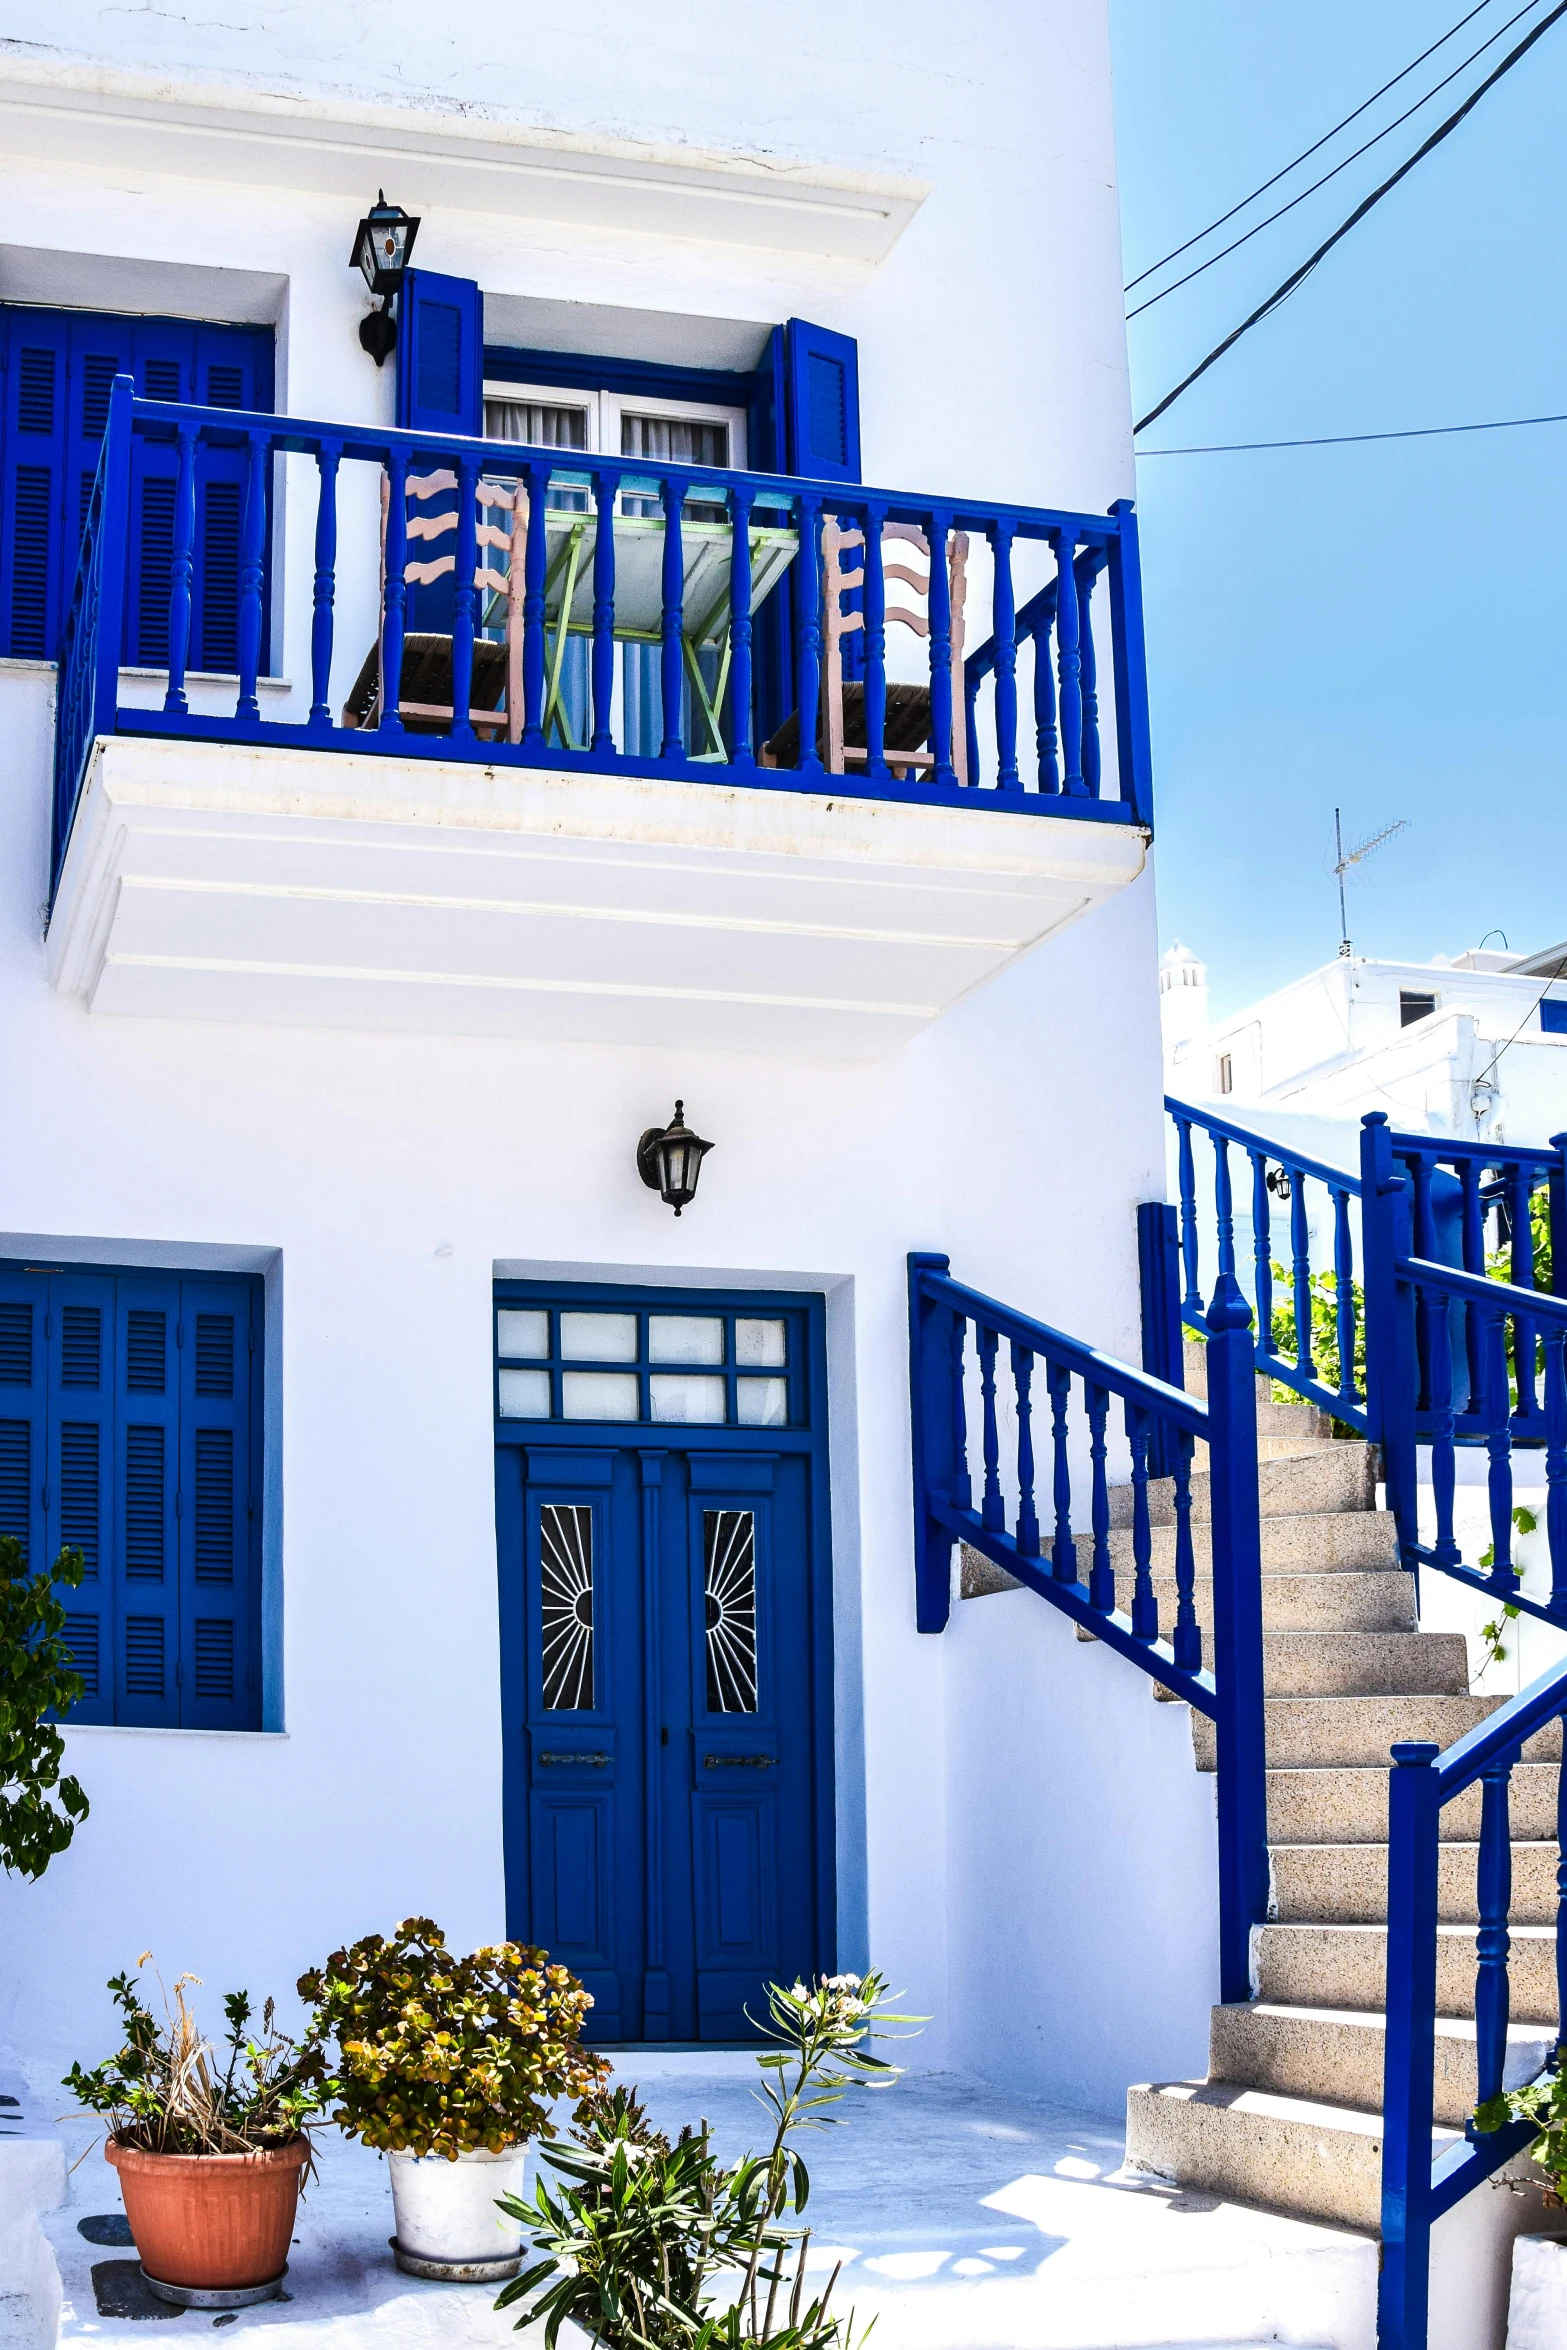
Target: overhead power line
{"points": [[1306, 153], [1338, 440], [1365, 148], [1298, 276]]}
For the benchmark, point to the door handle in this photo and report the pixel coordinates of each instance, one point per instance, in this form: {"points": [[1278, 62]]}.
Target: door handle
{"points": [[598, 1762], [738, 1762]]}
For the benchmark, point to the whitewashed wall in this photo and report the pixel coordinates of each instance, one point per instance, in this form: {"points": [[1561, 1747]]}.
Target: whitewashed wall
{"points": [[382, 1180]]}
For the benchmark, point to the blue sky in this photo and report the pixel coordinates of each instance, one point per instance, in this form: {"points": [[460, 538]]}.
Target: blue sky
{"points": [[1382, 628]]}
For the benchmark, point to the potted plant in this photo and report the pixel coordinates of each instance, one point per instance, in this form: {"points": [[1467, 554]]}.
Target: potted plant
{"points": [[448, 2065], [210, 2146]]}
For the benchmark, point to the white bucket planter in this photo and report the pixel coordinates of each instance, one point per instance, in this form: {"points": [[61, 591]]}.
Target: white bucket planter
{"points": [[447, 2223], [1537, 2311]]}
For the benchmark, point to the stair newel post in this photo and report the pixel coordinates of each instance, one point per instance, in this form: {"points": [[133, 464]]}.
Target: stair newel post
{"points": [[1063, 1550], [1390, 1354], [1414, 1822], [1101, 1575], [1493, 1900], [937, 1437], [1237, 1633], [1027, 1516]]}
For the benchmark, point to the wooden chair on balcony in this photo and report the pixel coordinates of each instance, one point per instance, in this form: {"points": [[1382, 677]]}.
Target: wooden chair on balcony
{"points": [[425, 690], [906, 735]]}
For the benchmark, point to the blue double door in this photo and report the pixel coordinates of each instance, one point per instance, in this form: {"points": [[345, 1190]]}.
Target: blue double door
{"points": [[665, 1651]]}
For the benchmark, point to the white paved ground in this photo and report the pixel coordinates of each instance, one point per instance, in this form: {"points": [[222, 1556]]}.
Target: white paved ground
{"points": [[967, 2218]]}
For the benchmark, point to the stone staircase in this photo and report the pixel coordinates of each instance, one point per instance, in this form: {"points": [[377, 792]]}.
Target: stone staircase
{"points": [[1289, 2116]]}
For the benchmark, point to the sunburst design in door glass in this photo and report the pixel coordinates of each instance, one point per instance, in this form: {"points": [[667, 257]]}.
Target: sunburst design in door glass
{"points": [[729, 1578], [566, 1552]]}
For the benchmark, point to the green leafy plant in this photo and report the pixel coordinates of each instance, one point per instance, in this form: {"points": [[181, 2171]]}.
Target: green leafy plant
{"points": [[1494, 1633], [1544, 2103], [40, 1810], [1499, 1261], [1322, 1291], [444, 2055], [642, 2231], [169, 2091]]}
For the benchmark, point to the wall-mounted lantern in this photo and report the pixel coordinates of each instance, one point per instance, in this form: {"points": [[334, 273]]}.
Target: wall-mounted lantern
{"points": [[669, 1160], [382, 244]]}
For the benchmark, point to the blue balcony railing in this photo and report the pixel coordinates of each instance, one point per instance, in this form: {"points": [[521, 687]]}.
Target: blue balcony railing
{"points": [[547, 608]]}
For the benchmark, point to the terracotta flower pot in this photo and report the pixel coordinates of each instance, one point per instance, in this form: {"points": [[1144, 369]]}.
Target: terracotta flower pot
{"points": [[211, 2222]]}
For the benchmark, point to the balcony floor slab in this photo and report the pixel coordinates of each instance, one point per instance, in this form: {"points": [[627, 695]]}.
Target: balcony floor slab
{"points": [[327, 889]]}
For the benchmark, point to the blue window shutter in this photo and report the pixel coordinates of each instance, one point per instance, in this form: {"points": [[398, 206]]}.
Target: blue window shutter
{"points": [[822, 393], [440, 354], [146, 1524], [24, 1308], [32, 482], [79, 1474], [1553, 1015], [217, 1654]]}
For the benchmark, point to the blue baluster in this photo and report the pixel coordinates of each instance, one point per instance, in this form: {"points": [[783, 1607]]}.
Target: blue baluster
{"points": [[1223, 1211], [1191, 1303], [394, 593], [1046, 741], [1425, 1246], [992, 1515], [1187, 1640], [534, 566], [971, 685], [741, 750], [1494, 1892], [1499, 1448], [1262, 1250], [606, 489], [941, 711], [808, 632], [672, 623], [875, 640], [1344, 1285], [1069, 661], [252, 568], [1027, 1516], [1145, 1608], [1443, 1456], [1556, 1464], [1004, 627], [181, 568], [962, 1484], [464, 599], [1101, 1575], [324, 589], [1474, 1262], [1087, 571], [1521, 1185], [1063, 1550], [1300, 1274]]}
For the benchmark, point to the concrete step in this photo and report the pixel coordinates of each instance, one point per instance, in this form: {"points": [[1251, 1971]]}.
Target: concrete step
{"points": [[1335, 1477], [1320, 1542], [1365, 1664], [1315, 2052], [1303, 1731], [1286, 2153], [1346, 1884], [1349, 1806], [1346, 1967], [1378, 1599]]}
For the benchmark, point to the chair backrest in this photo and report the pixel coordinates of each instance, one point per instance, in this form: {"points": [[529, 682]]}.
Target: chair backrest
{"points": [[838, 582], [507, 537]]}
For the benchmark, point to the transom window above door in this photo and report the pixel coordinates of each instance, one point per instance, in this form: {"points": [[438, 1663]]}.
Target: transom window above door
{"points": [[707, 1368]]}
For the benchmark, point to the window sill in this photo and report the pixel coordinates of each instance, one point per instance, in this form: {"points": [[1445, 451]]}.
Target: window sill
{"points": [[12, 665], [149, 1730]]}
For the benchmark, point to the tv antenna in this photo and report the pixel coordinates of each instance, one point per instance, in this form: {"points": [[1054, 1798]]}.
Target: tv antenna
{"points": [[1356, 856]]}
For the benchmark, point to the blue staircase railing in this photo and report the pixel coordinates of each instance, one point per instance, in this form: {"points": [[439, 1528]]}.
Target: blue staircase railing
{"points": [[1451, 1357], [1417, 2185], [956, 1341]]}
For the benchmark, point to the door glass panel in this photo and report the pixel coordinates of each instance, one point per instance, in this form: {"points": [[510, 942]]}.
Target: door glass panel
{"points": [[522, 1331], [729, 1585], [759, 1346], [687, 1397], [762, 1403], [566, 1605], [685, 1338], [525, 1395], [599, 1395], [598, 1338]]}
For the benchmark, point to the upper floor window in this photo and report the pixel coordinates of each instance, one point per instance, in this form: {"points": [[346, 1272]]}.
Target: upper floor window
{"points": [[130, 1429], [1413, 1006]]}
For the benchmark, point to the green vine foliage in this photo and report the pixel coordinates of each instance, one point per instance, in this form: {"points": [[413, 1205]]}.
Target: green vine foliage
{"points": [[40, 1809], [1544, 2103], [1323, 1292], [1494, 1633], [641, 2229], [445, 2055], [168, 2091]]}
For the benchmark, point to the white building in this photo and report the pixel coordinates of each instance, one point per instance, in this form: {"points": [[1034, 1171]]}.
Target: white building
{"points": [[1472, 1045]]}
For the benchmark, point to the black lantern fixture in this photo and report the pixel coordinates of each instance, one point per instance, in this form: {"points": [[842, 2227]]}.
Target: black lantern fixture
{"points": [[382, 244], [669, 1160]]}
